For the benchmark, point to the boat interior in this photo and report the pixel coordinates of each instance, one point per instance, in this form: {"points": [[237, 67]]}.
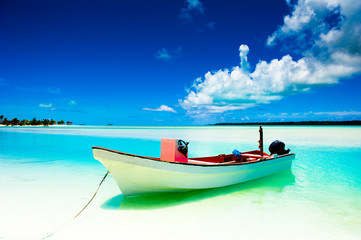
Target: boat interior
{"points": [[246, 157], [250, 156]]}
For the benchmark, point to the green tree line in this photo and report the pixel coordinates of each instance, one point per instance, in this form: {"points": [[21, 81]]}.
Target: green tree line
{"points": [[25, 122]]}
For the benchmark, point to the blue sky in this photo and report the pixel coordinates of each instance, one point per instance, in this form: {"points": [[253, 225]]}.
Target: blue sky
{"points": [[180, 62]]}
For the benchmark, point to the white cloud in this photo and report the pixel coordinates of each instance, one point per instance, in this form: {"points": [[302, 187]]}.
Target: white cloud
{"points": [[164, 54], [221, 109], [45, 105], [243, 51], [72, 102], [162, 108], [333, 53], [326, 26]]}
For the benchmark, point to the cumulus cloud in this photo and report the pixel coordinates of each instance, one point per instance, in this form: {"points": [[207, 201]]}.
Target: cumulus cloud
{"points": [[162, 108], [243, 51], [193, 7], [332, 33], [164, 54]]}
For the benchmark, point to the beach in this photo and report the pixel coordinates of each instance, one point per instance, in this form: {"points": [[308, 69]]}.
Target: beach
{"points": [[49, 174]]}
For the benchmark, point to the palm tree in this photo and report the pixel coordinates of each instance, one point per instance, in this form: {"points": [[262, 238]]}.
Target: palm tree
{"points": [[46, 122], [1, 117], [6, 122], [33, 122], [23, 122], [14, 121]]}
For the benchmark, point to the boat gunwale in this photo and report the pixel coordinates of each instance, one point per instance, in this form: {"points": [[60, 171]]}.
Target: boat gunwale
{"points": [[193, 164]]}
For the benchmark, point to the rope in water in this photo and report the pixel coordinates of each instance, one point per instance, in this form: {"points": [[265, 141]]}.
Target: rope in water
{"points": [[57, 229], [93, 195]]}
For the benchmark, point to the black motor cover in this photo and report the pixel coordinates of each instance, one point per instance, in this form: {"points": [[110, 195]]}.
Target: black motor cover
{"points": [[278, 147], [183, 147]]}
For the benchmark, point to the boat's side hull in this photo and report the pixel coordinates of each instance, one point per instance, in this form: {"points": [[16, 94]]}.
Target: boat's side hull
{"points": [[136, 175]]}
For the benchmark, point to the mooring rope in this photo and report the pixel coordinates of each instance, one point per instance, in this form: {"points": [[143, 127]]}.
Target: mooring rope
{"points": [[93, 195], [57, 229]]}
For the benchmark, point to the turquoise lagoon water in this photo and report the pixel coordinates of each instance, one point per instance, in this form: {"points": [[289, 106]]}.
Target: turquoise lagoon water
{"points": [[48, 174]]}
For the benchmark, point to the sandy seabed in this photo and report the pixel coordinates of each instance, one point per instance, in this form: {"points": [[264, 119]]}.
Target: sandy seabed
{"points": [[235, 212]]}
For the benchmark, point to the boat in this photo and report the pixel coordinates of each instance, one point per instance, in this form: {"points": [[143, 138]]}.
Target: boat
{"points": [[173, 171]]}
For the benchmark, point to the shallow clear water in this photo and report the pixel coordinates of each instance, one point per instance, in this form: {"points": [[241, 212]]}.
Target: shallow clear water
{"points": [[48, 174]]}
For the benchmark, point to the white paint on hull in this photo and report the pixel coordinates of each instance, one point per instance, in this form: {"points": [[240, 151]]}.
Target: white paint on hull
{"points": [[137, 175]]}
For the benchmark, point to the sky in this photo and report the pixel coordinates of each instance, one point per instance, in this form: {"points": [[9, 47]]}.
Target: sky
{"points": [[181, 62]]}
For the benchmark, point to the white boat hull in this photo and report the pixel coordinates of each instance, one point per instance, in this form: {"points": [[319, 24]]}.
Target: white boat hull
{"points": [[138, 175]]}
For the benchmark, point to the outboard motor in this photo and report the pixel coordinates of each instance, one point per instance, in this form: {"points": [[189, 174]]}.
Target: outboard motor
{"points": [[183, 147], [278, 147]]}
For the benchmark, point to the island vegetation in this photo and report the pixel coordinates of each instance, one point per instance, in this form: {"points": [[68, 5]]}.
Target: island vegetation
{"points": [[305, 123], [33, 122]]}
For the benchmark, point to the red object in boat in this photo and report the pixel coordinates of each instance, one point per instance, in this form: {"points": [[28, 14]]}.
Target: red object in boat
{"points": [[169, 151]]}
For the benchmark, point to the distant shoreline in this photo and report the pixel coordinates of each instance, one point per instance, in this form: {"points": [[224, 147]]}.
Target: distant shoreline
{"points": [[302, 123], [42, 126]]}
